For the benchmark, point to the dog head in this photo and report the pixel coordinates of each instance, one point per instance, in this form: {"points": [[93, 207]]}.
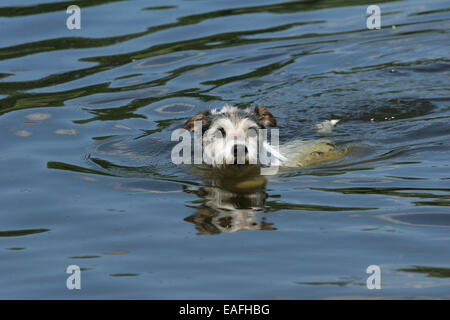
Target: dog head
{"points": [[230, 135]]}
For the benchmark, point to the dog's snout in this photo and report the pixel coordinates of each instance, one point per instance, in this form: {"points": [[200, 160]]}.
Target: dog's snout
{"points": [[237, 148], [240, 154]]}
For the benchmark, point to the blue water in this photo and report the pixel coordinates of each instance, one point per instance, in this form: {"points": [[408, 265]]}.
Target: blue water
{"points": [[85, 173]]}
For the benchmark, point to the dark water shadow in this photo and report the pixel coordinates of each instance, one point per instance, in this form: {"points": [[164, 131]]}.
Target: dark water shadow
{"points": [[20, 233], [433, 272]]}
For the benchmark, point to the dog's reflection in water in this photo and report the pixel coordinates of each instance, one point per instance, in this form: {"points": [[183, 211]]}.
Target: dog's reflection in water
{"points": [[231, 201]]}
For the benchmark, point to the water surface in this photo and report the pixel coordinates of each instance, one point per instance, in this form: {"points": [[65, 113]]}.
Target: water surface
{"points": [[86, 179]]}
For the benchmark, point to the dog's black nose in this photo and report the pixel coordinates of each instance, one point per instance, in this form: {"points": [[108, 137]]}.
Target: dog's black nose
{"points": [[240, 152], [239, 148]]}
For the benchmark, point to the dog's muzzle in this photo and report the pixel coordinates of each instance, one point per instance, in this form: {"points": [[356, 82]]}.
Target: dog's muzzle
{"points": [[240, 154]]}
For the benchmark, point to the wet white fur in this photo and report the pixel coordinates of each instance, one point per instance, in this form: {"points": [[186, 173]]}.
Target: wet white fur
{"points": [[218, 149]]}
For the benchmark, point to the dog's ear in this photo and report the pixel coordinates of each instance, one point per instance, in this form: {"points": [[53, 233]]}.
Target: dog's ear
{"points": [[202, 116], [264, 117]]}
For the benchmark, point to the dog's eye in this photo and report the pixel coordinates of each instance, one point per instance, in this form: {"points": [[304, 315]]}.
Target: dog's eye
{"points": [[222, 131]]}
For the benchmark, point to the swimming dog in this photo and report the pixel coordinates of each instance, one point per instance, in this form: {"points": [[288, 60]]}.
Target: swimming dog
{"points": [[232, 136]]}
